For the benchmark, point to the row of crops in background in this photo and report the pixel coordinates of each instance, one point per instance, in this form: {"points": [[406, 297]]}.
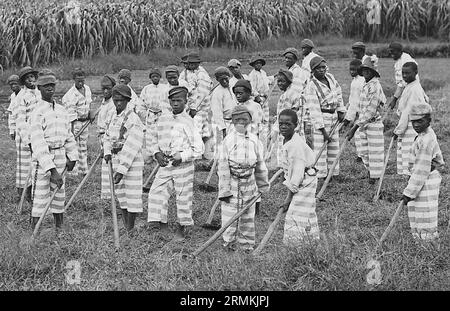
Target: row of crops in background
{"points": [[37, 32]]}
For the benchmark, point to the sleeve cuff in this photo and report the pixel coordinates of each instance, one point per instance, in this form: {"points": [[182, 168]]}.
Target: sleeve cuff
{"points": [[121, 169], [47, 165]]}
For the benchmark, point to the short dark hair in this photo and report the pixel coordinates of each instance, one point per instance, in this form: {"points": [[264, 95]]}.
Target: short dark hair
{"points": [[290, 113], [355, 62], [78, 72], [411, 65]]}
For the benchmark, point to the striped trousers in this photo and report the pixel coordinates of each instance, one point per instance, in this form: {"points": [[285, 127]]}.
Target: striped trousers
{"points": [[180, 179], [301, 218], [42, 187], [241, 231], [129, 190], [423, 210], [332, 149], [23, 162], [81, 167], [371, 144], [404, 144], [105, 193]]}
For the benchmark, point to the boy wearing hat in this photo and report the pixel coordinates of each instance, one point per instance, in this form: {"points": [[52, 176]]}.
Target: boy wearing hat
{"points": [[242, 175], [26, 101], [14, 83], [369, 126], [175, 143], [153, 98], [106, 113], [296, 160], [300, 75], [234, 66], [400, 57], [54, 148], [324, 91], [243, 90], [422, 192], [307, 50], [412, 95], [78, 101], [122, 143], [124, 77]]}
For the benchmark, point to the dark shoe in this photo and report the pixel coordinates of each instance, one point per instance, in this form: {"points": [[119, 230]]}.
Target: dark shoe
{"points": [[358, 160]]}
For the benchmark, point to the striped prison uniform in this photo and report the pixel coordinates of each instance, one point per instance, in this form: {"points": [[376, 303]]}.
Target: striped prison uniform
{"points": [[154, 99], [78, 106], [26, 102], [257, 116], [200, 84], [300, 76], [353, 106], [222, 103], [242, 174], [135, 101], [330, 103], [370, 131], [307, 60], [52, 142], [124, 139], [413, 94], [173, 134], [301, 217], [12, 113], [423, 185], [233, 81], [401, 84], [105, 115]]}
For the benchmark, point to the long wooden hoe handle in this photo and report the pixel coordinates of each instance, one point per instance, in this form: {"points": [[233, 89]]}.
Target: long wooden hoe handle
{"points": [[22, 196], [386, 160], [325, 143], [391, 224], [269, 232], [113, 205], [153, 173]]}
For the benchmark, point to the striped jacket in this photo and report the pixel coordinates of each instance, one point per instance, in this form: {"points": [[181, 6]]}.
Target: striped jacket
{"points": [[77, 104], [200, 84], [371, 100], [257, 115], [154, 98], [241, 149], [26, 103], [222, 103], [300, 76], [50, 129], [424, 154], [260, 82], [106, 113], [175, 133], [12, 113], [306, 62], [125, 131]]}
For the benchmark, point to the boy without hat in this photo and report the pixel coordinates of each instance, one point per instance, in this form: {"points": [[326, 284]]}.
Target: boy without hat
{"points": [[14, 83], [300, 75]]}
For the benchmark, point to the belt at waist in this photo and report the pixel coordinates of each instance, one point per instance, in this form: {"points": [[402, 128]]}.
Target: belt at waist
{"points": [[328, 110], [55, 148], [227, 119]]}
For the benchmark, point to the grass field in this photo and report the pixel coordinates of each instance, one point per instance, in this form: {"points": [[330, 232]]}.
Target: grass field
{"points": [[350, 225]]}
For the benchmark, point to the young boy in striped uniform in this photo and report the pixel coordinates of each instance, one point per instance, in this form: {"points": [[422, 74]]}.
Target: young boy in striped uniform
{"points": [[242, 174], [308, 54], [243, 90], [369, 126], [173, 79], [54, 148], [412, 94], [122, 143], [325, 92], [26, 101], [175, 143], [300, 75], [14, 83], [234, 65], [296, 160], [106, 113], [124, 77], [153, 98], [422, 192], [78, 101]]}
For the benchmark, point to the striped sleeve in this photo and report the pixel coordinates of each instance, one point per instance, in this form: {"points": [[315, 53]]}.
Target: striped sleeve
{"points": [[370, 100], [217, 107], [107, 142], [38, 143], [12, 109], [196, 143], [132, 145], [313, 105], [22, 126], [223, 171], [202, 91], [261, 171], [70, 103], [420, 170], [340, 100], [70, 144]]}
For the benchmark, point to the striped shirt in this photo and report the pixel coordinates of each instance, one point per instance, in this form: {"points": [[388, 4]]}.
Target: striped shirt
{"points": [[222, 103], [300, 76], [106, 113], [398, 65], [200, 84], [424, 153], [12, 113], [175, 133], [26, 103], [260, 82], [77, 104], [241, 149], [306, 62], [257, 115], [372, 98], [126, 131], [154, 98], [353, 99], [50, 129]]}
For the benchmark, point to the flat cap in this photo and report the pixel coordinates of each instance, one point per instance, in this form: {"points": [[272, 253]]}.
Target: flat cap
{"points": [[124, 73], [239, 109], [254, 59], [419, 111], [221, 71], [396, 46], [358, 45], [154, 71], [234, 63], [122, 89], [13, 78], [315, 61], [293, 51], [26, 70], [307, 43], [172, 68], [177, 90], [46, 77], [108, 80], [243, 83], [286, 73]]}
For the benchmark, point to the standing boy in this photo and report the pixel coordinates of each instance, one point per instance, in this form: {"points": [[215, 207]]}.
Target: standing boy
{"points": [[78, 101], [175, 143], [307, 50], [124, 77], [243, 90], [152, 98], [300, 75], [242, 174], [234, 66], [14, 83]]}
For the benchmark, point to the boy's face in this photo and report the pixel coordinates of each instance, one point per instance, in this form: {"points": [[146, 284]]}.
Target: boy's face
{"points": [[408, 74], [286, 126], [155, 78], [120, 102], [235, 70], [178, 103], [306, 50], [395, 54], [289, 60], [367, 74], [15, 86], [124, 80], [107, 90], [30, 81], [358, 53], [241, 122], [283, 82], [47, 91], [353, 70], [224, 81], [258, 65], [319, 71], [421, 124], [193, 66], [241, 93], [172, 78], [79, 81]]}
